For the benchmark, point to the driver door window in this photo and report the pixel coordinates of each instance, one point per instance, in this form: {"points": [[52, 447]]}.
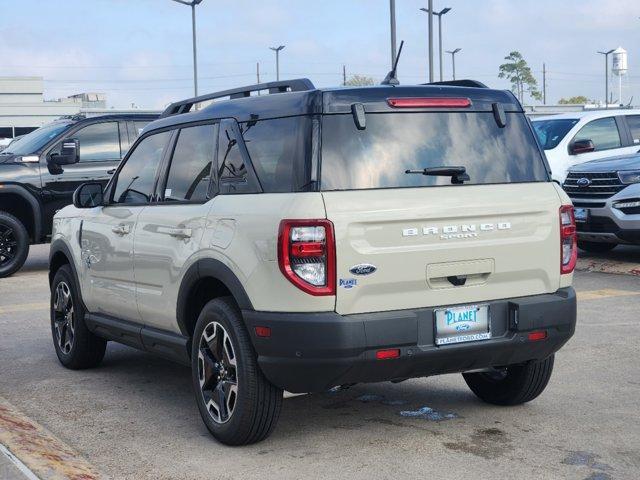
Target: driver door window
{"points": [[136, 180], [602, 132], [99, 142]]}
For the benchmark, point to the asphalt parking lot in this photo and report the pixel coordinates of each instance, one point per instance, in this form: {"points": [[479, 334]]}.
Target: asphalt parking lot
{"points": [[134, 417]]}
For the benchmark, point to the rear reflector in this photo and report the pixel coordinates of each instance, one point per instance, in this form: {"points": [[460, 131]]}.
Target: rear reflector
{"points": [[429, 102], [537, 335], [264, 332], [388, 354]]}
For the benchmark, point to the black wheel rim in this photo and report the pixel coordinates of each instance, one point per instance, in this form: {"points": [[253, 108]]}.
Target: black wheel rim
{"points": [[217, 372], [63, 317], [8, 244]]}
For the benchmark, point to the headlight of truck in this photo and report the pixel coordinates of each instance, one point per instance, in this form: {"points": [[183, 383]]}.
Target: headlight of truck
{"points": [[629, 176]]}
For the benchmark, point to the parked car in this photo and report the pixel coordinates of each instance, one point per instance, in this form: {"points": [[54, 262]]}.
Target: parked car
{"points": [[308, 238], [574, 138], [40, 171], [606, 196]]}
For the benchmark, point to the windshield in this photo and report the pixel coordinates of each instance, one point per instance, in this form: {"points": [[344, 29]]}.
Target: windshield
{"points": [[34, 141], [551, 132], [392, 143]]}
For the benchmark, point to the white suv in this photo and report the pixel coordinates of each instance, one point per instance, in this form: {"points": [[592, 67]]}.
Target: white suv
{"points": [[305, 238], [573, 138]]}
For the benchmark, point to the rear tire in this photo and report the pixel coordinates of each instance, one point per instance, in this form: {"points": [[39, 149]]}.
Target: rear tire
{"points": [[514, 385], [237, 403], [76, 347], [14, 244], [596, 247]]}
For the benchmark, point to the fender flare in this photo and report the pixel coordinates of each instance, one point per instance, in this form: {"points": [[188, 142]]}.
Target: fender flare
{"points": [[59, 246], [33, 203], [209, 268]]}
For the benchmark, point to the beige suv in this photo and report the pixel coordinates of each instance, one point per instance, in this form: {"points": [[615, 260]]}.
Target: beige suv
{"points": [[307, 238]]}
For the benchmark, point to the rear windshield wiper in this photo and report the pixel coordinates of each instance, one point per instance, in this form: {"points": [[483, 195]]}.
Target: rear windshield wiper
{"points": [[458, 174]]}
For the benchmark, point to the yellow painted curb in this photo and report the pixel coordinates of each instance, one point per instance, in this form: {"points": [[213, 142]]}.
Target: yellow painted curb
{"points": [[604, 293], [45, 455]]}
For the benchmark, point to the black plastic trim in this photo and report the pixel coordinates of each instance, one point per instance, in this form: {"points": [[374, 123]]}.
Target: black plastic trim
{"points": [[36, 209]]}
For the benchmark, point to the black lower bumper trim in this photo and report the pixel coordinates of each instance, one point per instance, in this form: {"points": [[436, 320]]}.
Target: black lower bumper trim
{"points": [[310, 352]]}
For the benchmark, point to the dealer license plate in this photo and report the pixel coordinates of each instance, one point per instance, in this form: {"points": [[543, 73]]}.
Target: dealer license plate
{"points": [[581, 214], [468, 323]]}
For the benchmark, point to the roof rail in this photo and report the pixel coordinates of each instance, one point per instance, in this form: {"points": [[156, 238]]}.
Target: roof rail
{"points": [[295, 85], [460, 83]]}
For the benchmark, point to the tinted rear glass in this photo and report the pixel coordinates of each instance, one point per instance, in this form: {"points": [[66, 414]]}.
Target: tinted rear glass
{"points": [[392, 143]]}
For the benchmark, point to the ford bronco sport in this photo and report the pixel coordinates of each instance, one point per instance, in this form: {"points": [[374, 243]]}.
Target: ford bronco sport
{"points": [[308, 238]]}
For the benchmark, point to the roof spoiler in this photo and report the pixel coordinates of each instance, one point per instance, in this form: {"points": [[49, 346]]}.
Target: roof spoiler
{"points": [[295, 85], [460, 83]]}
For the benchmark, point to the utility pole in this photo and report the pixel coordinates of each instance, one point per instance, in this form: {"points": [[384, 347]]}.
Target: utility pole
{"points": [[544, 84], [277, 50], [392, 16], [453, 60], [606, 76], [344, 75], [193, 4]]}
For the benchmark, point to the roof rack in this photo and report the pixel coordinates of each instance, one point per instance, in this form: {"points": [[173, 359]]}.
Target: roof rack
{"points": [[295, 85], [460, 83]]}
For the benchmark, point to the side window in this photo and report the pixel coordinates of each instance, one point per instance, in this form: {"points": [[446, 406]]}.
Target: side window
{"points": [[634, 125], [138, 126], [190, 171], [602, 132], [136, 179], [278, 149], [235, 173], [99, 142]]}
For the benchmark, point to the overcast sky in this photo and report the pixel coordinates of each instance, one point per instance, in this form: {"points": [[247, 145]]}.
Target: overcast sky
{"points": [[139, 51]]}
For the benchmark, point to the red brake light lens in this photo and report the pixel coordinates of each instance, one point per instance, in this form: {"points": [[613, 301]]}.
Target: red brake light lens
{"points": [[388, 354], [429, 102], [568, 240], [264, 332], [307, 255], [537, 335]]}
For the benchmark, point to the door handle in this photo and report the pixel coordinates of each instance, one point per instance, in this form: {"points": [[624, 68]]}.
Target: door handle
{"points": [[121, 229], [181, 233]]}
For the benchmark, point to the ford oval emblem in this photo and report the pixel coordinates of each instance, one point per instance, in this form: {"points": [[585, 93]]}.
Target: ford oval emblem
{"points": [[363, 269], [583, 182]]}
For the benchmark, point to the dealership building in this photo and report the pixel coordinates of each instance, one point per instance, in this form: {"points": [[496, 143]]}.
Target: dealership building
{"points": [[23, 107]]}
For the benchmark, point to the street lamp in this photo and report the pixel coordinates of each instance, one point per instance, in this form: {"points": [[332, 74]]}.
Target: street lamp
{"points": [[453, 60], [193, 4], [439, 15], [277, 50], [606, 76]]}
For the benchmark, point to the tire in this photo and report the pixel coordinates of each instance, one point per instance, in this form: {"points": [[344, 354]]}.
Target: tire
{"points": [[14, 244], [76, 347], [596, 247], [514, 385], [250, 403]]}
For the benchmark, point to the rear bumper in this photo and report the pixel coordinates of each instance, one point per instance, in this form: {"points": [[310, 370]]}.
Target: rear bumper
{"points": [[311, 352]]}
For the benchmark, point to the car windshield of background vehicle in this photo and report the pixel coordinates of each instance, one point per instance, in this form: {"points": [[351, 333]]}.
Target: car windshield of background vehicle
{"points": [[378, 156], [551, 132], [34, 141]]}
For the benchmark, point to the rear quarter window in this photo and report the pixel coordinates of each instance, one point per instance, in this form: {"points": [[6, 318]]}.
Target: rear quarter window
{"points": [[392, 143]]}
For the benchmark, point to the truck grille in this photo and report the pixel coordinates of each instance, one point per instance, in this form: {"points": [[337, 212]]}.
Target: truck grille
{"points": [[602, 185]]}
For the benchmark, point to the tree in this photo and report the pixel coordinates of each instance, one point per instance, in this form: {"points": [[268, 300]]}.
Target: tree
{"points": [[359, 81], [519, 74], [580, 100]]}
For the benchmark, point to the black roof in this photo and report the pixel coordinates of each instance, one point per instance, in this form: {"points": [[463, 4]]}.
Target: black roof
{"points": [[303, 98]]}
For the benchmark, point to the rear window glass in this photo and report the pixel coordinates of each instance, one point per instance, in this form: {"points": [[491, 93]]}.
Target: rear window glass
{"points": [[392, 143]]}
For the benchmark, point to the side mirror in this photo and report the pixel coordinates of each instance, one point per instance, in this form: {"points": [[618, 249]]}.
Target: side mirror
{"points": [[69, 153], [581, 146], [88, 195]]}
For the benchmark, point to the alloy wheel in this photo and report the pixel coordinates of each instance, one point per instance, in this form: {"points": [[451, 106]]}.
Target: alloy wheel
{"points": [[8, 244], [217, 372], [64, 317]]}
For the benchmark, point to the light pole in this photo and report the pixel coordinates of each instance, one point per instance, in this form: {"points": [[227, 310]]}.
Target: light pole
{"points": [[453, 60], [439, 15], [277, 50], [606, 76], [392, 17], [193, 4]]}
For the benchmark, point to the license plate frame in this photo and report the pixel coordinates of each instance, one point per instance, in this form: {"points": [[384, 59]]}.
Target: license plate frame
{"points": [[581, 214], [462, 324]]}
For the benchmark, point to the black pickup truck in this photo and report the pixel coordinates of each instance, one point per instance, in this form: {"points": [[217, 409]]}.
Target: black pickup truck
{"points": [[40, 171]]}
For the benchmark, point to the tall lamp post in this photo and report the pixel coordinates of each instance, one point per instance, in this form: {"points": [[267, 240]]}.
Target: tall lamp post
{"points": [[193, 4], [439, 15], [453, 60], [606, 76], [277, 50]]}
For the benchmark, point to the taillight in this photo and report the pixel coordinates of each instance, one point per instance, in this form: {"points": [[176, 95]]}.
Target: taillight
{"points": [[429, 102], [568, 240], [307, 255]]}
